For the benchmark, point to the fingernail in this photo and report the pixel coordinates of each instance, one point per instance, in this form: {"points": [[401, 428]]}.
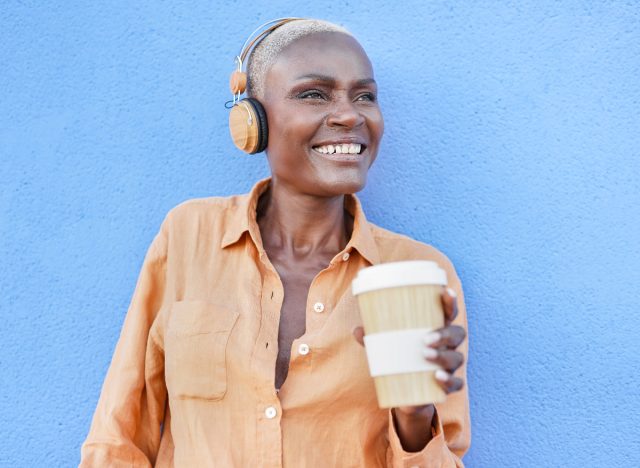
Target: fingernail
{"points": [[451, 292], [431, 338], [429, 353], [442, 375]]}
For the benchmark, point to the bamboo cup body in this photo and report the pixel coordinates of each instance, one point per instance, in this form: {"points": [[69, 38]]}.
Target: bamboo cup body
{"points": [[403, 308]]}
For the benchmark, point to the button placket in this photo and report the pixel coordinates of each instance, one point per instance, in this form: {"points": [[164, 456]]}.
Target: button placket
{"points": [[319, 300]]}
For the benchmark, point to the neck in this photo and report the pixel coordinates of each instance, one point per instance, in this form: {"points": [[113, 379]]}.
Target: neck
{"points": [[302, 224]]}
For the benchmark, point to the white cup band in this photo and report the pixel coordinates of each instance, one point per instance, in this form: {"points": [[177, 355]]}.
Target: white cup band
{"points": [[397, 352]]}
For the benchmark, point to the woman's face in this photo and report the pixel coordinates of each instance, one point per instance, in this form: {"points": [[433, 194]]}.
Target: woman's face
{"points": [[325, 124]]}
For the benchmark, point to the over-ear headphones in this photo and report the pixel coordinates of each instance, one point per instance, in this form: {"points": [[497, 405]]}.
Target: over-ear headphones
{"points": [[248, 119]]}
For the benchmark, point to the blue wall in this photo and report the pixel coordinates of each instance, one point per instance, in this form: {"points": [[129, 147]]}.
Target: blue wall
{"points": [[512, 136]]}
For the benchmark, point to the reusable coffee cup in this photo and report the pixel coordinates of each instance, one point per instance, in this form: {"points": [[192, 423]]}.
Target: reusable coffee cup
{"points": [[399, 303]]}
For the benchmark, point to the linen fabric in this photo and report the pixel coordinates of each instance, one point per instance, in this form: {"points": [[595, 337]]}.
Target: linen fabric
{"points": [[191, 382]]}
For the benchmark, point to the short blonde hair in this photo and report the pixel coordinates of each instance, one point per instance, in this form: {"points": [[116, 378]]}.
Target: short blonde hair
{"points": [[264, 55]]}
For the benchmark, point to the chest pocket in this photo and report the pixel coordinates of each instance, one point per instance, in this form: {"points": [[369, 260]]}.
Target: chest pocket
{"points": [[195, 350]]}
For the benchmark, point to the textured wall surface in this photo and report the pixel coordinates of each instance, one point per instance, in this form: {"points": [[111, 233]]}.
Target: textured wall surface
{"points": [[512, 136]]}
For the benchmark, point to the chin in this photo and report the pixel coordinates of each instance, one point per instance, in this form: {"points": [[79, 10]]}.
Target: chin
{"points": [[343, 184]]}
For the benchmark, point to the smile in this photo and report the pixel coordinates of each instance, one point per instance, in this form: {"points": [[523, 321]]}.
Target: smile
{"points": [[340, 148]]}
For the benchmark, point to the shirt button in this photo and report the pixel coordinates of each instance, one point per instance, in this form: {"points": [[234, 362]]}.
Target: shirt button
{"points": [[303, 349], [318, 307], [270, 412], [345, 256]]}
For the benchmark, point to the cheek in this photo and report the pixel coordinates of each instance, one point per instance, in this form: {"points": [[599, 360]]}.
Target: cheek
{"points": [[293, 126], [377, 125]]}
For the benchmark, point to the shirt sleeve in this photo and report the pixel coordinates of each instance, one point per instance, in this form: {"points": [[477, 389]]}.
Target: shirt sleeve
{"points": [[126, 426], [452, 421]]}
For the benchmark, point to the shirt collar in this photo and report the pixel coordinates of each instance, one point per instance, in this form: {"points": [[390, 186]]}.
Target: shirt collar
{"points": [[243, 219], [361, 238]]}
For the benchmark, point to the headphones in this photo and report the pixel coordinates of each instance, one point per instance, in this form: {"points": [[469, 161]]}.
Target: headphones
{"points": [[248, 119]]}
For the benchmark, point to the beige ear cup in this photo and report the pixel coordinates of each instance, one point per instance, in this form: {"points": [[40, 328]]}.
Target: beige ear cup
{"points": [[243, 125]]}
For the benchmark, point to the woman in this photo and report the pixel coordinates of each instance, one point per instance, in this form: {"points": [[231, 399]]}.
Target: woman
{"points": [[242, 344]]}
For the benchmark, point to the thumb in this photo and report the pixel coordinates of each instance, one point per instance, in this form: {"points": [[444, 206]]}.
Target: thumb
{"points": [[358, 334]]}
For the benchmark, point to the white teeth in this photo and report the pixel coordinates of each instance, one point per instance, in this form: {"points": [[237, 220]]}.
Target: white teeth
{"points": [[343, 148]]}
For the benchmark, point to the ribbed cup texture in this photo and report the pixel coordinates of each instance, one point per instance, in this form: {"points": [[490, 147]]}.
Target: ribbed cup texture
{"points": [[403, 308]]}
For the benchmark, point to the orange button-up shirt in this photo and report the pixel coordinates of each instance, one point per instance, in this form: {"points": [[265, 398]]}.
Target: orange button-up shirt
{"points": [[191, 383]]}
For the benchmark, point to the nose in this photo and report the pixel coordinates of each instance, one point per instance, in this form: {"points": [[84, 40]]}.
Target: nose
{"points": [[345, 114]]}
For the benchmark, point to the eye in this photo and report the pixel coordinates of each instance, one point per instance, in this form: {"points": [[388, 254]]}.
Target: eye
{"points": [[366, 97], [311, 94]]}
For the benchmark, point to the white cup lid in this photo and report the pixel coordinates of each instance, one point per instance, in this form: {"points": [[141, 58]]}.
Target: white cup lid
{"points": [[398, 274]]}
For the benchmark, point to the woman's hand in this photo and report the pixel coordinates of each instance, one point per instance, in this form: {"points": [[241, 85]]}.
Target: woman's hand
{"points": [[440, 348], [440, 345]]}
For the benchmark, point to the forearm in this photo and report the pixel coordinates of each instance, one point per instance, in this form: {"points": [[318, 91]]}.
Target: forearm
{"points": [[414, 429]]}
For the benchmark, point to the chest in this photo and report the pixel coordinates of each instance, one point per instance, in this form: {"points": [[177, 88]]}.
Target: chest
{"points": [[296, 281]]}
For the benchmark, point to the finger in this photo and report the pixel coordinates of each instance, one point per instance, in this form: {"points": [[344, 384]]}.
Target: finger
{"points": [[448, 360], [447, 337], [448, 382], [449, 305], [358, 334]]}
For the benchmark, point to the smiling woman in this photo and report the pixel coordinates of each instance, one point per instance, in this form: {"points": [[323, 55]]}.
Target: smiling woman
{"points": [[242, 345]]}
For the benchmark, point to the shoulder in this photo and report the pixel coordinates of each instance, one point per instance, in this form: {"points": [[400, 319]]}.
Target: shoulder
{"points": [[394, 247], [206, 215], [195, 207]]}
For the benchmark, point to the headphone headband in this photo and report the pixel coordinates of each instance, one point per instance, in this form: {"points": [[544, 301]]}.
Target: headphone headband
{"points": [[248, 46]]}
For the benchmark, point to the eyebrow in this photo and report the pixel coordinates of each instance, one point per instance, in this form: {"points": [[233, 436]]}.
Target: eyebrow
{"points": [[331, 80]]}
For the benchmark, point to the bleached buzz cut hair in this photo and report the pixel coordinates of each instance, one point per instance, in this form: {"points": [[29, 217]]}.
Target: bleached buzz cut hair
{"points": [[264, 55]]}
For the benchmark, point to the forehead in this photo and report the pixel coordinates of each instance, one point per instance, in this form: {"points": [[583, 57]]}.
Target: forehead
{"points": [[322, 52]]}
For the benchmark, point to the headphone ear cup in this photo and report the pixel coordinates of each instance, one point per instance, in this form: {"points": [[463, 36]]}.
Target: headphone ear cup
{"points": [[263, 126], [248, 126], [243, 126]]}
